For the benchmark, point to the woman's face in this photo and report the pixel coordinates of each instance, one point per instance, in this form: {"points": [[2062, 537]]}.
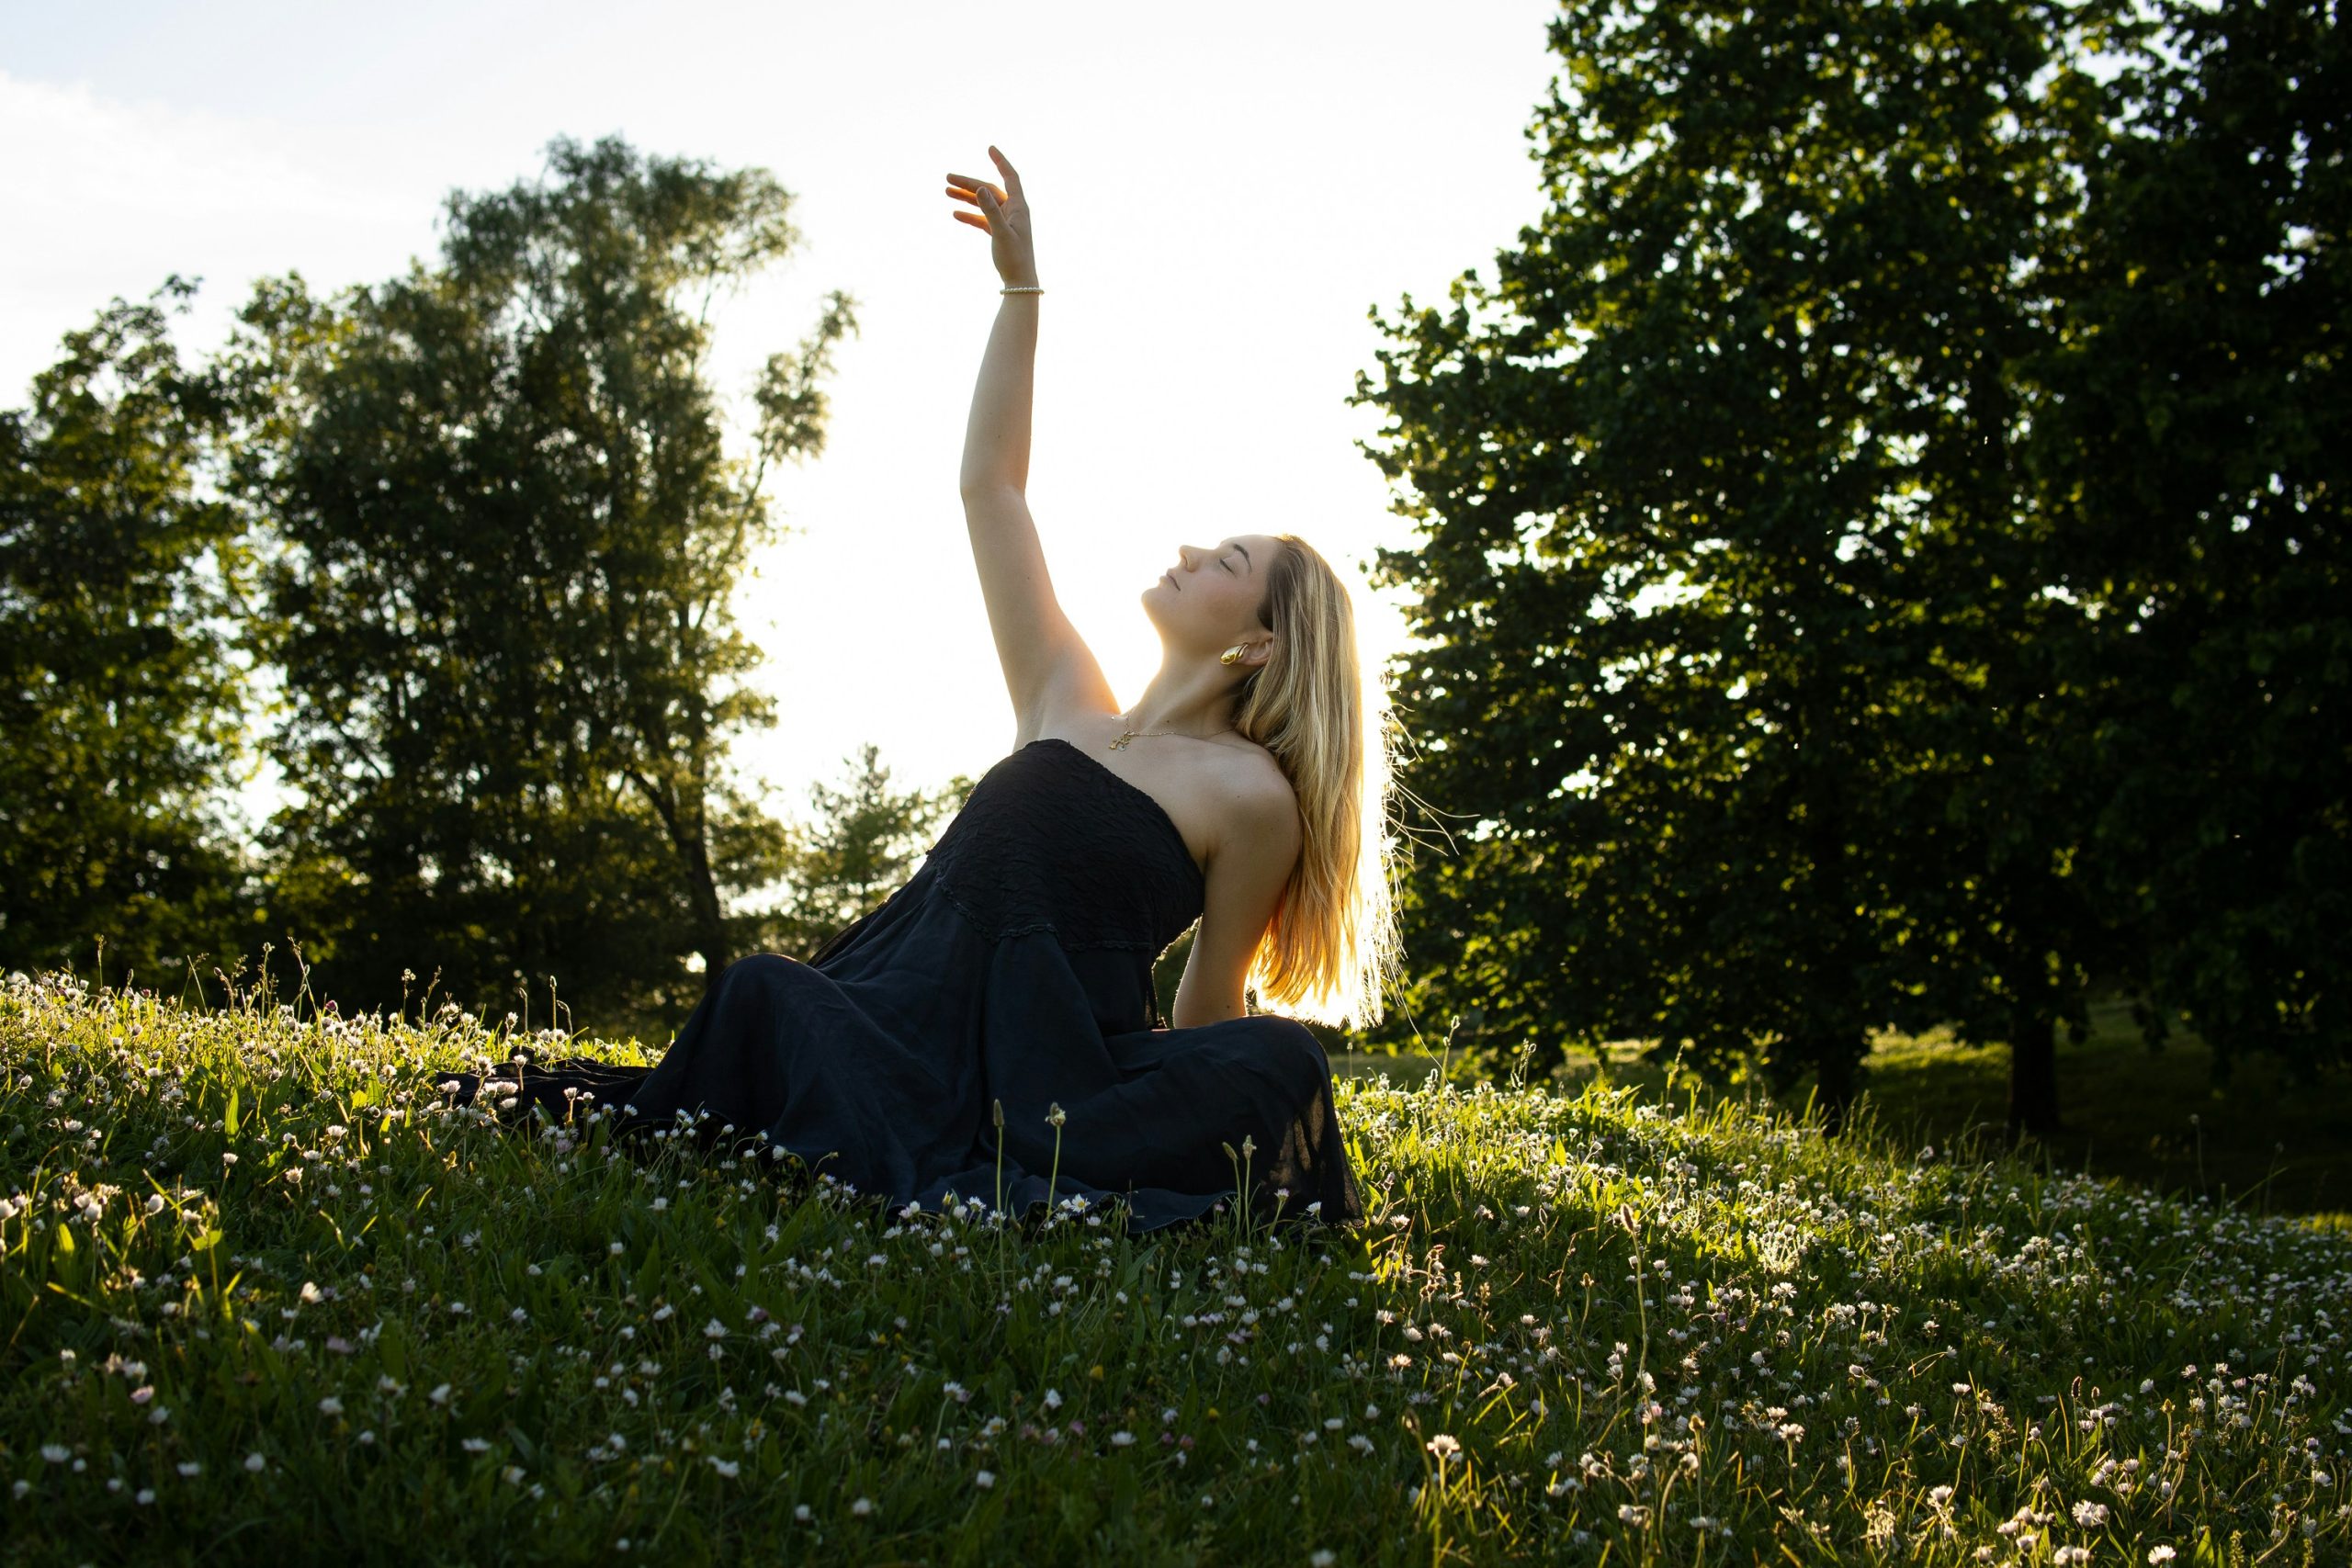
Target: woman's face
{"points": [[1209, 597]]}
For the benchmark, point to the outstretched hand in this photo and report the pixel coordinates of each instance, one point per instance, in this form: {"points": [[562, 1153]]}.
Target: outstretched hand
{"points": [[1003, 217]]}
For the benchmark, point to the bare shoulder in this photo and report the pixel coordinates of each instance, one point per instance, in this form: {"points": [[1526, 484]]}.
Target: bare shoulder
{"points": [[1255, 807]]}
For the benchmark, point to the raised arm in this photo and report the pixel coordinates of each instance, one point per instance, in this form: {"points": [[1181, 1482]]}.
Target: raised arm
{"points": [[1047, 667]]}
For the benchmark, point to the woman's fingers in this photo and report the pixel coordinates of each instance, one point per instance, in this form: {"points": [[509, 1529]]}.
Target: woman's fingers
{"points": [[1012, 178], [975, 221], [966, 186]]}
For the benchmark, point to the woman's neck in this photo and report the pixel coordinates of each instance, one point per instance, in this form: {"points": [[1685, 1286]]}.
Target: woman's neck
{"points": [[1183, 701]]}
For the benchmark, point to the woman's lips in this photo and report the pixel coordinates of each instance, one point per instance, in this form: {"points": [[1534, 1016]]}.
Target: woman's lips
{"points": [[1171, 581]]}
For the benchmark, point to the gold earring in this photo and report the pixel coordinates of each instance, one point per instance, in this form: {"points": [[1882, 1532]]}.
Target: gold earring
{"points": [[1232, 655]]}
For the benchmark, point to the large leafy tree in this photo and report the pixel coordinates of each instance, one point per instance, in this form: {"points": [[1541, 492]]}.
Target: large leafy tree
{"points": [[122, 689], [2189, 449], [1732, 566], [511, 536]]}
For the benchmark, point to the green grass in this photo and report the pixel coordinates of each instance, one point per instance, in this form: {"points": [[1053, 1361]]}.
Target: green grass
{"points": [[2156, 1118], [1582, 1329]]}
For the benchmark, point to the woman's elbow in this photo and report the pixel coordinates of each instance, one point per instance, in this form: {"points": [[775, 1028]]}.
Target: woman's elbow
{"points": [[1200, 1015]]}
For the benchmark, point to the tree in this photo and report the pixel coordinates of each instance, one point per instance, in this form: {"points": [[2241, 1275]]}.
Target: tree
{"points": [[861, 848], [1728, 555], [2190, 450], [510, 539], [122, 695]]}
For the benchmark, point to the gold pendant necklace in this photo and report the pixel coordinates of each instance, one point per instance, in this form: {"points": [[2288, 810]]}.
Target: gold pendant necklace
{"points": [[1127, 735]]}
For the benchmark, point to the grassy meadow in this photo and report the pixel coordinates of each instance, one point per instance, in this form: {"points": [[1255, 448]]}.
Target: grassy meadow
{"points": [[266, 1298], [2156, 1118]]}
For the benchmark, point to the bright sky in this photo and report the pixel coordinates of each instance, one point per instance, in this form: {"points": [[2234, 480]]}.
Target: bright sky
{"points": [[1221, 191]]}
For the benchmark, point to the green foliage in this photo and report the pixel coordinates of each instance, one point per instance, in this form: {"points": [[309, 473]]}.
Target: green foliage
{"points": [[509, 538], [861, 848], [121, 691], [263, 1290], [1738, 493], [2188, 454]]}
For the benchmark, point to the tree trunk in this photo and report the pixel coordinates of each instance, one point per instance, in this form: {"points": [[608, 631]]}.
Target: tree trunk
{"points": [[693, 843], [2033, 1078], [1834, 1087], [710, 924]]}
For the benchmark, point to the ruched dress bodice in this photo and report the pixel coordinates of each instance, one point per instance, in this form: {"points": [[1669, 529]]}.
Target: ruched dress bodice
{"points": [[1014, 969]]}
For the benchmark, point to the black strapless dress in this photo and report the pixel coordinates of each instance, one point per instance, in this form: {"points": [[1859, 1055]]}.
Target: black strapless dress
{"points": [[1015, 965]]}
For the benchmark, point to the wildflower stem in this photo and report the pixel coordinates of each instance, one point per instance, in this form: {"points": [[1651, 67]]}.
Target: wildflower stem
{"points": [[1053, 1175]]}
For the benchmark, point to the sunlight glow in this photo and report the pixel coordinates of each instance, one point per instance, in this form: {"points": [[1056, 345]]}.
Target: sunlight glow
{"points": [[1212, 225]]}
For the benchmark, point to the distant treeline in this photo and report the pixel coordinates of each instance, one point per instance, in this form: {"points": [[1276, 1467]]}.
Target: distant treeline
{"points": [[456, 552]]}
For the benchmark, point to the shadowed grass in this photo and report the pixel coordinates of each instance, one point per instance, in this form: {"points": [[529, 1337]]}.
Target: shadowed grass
{"points": [[2154, 1117]]}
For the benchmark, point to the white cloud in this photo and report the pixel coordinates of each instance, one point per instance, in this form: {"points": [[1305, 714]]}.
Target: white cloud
{"points": [[108, 197]]}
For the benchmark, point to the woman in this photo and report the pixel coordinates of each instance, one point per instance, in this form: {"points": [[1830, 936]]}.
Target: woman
{"points": [[992, 1032]]}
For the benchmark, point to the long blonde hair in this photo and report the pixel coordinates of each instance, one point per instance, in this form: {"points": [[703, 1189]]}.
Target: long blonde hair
{"points": [[1331, 949]]}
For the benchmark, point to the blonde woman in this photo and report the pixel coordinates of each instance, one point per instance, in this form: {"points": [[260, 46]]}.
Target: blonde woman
{"points": [[992, 1033]]}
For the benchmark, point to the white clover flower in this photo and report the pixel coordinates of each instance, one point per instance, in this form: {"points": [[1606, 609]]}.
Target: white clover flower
{"points": [[730, 1469], [714, 1329], [330, 1406], [2161, 1554], [476, 1445], [1443, 1445], [984, 1480], [56, 1453], [861, 1507], [1122, 1440], [1053, 1400]]}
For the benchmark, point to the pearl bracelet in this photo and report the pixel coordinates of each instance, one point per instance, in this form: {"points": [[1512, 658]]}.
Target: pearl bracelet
{"points": [[1022, 289]]}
